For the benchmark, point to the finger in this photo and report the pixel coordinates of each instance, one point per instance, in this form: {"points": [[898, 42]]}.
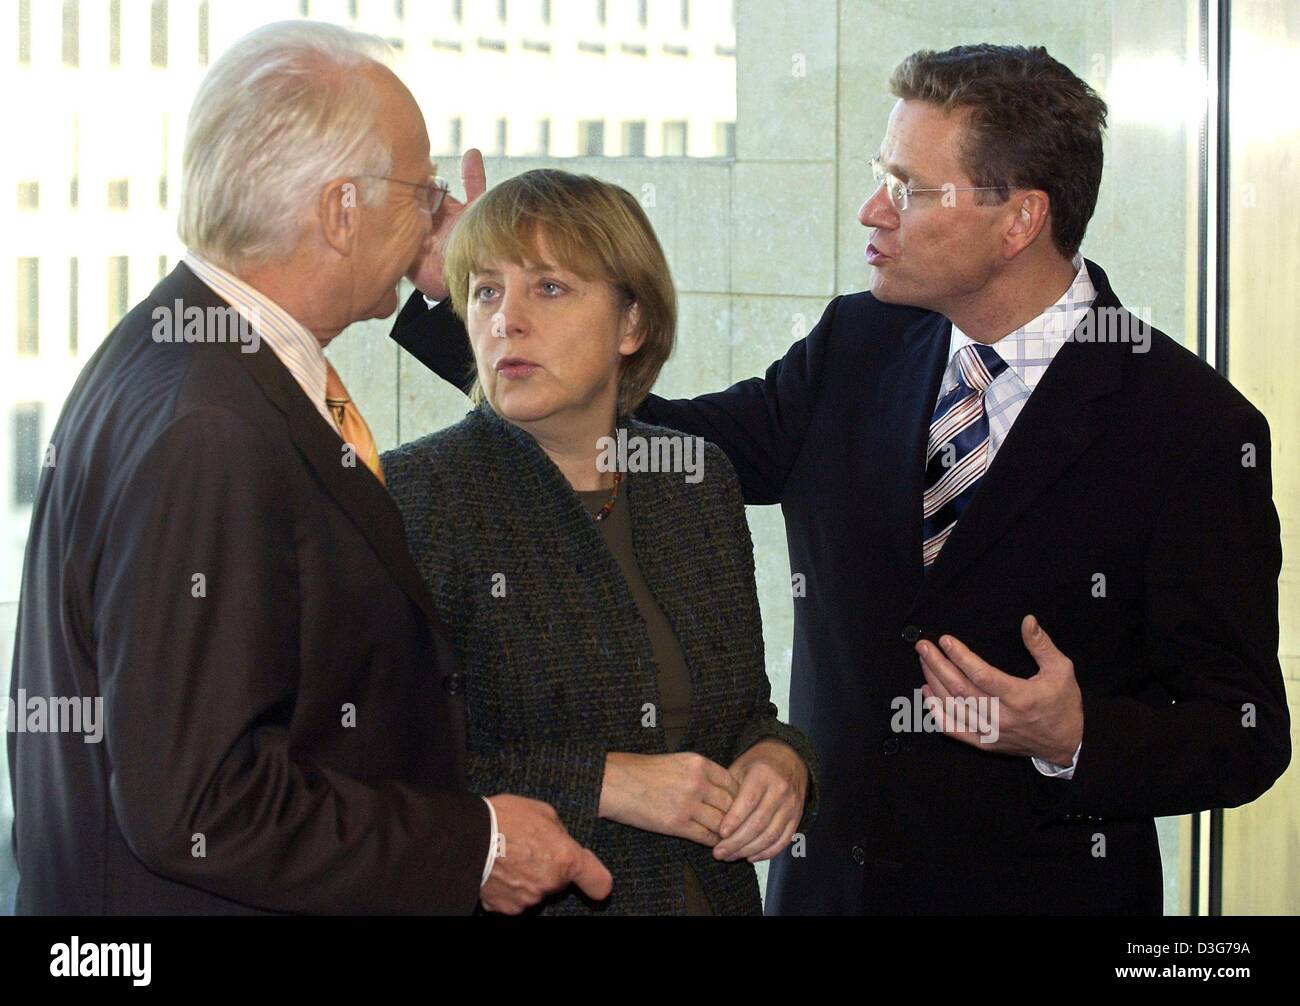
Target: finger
{"points": [[720, 777], [943, 713], [708, 817], [696, 832], [933, 687], [986, 678], [953, 680], [473, 175], [779, 820], [752, 826], [1040, 645], [591, 876], [783, 822], [777, 847], [748, 797]]}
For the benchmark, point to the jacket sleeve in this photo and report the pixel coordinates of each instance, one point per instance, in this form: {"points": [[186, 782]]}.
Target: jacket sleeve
{"points": [[1211, 630], [761, 721], [568, 775], [198, 696], [435, 337], [760, 423]]}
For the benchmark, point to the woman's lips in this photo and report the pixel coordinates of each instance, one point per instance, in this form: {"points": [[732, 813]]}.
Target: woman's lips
{"points": [[514, 368]]}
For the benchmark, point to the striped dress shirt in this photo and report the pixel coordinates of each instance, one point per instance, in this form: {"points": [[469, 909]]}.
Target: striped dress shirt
{"points": [[1028, 351]]}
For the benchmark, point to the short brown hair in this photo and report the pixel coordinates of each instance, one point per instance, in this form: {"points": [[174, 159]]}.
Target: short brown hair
{"points": [[1032, 124], [593, 228]]}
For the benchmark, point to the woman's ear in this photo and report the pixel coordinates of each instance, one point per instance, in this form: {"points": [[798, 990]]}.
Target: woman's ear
{"points": [[631, 336]]}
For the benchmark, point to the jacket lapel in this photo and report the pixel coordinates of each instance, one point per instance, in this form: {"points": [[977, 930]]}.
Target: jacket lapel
{"points": [[355, 490], [910, 385], [1057, 424]]}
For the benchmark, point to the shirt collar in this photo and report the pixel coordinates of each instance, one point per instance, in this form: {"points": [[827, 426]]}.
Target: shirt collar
{"points": [[292, 343], [1031, 348]]}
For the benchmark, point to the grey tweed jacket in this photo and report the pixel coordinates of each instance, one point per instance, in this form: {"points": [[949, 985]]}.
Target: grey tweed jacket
{"points": [[557, 664]]}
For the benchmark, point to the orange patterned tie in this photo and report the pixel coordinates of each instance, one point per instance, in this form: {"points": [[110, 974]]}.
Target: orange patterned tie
{"points": [[350, 424]]}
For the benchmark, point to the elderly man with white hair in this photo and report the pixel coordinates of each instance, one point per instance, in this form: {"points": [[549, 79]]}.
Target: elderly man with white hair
{"points": [[214, 562]]}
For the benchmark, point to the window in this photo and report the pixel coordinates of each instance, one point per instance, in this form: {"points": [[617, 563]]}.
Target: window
{"points": [[458, 10], [26, 427], [643, 12], [158, 33], [501, 137], [71, 32], [24, 32], [29, 301], [162, 266], [29, 196], [674, 139], [74, 183], [454, 136], [114, 32], [203, 33], [725, 139], [501, 10], [399, 9], [162, 176], [544, 138], [119, 274], [634, 139], [352, 9], [546, 11], [74, 296], [686, 13], [602, 13], [591, 138], [119, 194]]}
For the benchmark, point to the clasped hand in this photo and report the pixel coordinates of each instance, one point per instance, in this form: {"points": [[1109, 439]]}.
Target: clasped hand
{"points": [[748, 811]]}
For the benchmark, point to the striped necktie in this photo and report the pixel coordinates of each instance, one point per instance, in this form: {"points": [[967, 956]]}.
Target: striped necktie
{"points": [[351, 426], [957, 451]]}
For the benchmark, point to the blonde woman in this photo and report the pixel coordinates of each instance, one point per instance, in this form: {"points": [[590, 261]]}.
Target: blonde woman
{"points": [[607, 620]]}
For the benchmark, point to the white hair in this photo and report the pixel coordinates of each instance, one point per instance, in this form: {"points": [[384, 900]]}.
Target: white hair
{"points": [[284, 110]]}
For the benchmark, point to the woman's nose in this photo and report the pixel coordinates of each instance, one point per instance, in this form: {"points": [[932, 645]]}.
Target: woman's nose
{"points": [[511, 318]]}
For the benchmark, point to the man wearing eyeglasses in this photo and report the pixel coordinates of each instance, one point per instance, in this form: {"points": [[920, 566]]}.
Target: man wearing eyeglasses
{"points": [[1037, 535], [214, 559]]}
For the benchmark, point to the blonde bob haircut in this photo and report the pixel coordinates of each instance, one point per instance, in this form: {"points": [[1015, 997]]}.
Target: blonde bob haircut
{"points": [[591, 228]]}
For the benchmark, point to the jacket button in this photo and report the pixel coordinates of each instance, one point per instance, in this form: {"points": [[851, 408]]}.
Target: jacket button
{"points": [[454, 683], [859, 854], [890, 746], [911, 633]]}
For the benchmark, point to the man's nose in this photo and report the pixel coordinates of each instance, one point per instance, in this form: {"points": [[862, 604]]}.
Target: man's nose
{"points": [[878, 211]]}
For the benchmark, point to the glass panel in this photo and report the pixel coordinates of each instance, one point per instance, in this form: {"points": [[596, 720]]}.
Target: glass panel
{"points": [[1261, 853]]}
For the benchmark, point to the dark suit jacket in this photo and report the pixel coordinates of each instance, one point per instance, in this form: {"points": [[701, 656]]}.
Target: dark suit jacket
{"points": [[230, 778], [1147, 468]]}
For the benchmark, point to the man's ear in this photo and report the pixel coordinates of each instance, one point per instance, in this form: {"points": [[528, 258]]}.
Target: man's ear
{"points": [[632, 337], [339, 210], [1032, 211]]}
